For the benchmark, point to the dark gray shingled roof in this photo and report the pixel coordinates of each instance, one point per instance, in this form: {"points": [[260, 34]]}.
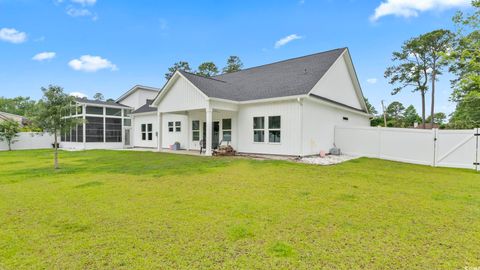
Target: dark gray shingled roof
{"points": [[99, 102], [291, 77], [146, 107]]}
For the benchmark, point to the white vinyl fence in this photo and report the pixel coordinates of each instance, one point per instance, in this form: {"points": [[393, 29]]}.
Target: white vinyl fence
{"points": [[29, 140], [445, 148]]}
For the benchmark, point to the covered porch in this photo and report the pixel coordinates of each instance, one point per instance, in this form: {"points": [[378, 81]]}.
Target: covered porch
{"points": [[194, 129]]}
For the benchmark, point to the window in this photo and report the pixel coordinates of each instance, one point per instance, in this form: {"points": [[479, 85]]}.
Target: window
{"points": [[195, 130], [274, 129], [113, 130], [94, 110], [149, 132], [113, 111], [227, 130], [94, 129], [170, 126], [259, 129], [127, 122], [178, 126], [144, 132], [127, 112]]}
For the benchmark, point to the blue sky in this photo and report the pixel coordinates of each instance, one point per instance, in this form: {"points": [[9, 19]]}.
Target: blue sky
{"points": [[108, 46]]}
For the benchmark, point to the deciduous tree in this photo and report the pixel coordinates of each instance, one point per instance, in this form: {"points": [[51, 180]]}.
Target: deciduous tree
{"points": [[52, 114]]}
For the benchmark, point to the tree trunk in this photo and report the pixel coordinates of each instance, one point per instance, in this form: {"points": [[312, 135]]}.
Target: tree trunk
{"points": [[432, 110], [9, 145], [55, 155], [423, 109]]}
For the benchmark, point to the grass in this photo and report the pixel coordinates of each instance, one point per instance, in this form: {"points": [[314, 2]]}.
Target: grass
{"points": [[134, 210]]}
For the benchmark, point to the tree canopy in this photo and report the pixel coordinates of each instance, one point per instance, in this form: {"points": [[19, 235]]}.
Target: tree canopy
{"points": [[207, 69], [181, 65], [233, 64]]}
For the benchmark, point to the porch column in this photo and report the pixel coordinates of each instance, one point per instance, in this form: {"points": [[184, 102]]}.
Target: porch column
{"points": [[208, 119], [160, 126]]}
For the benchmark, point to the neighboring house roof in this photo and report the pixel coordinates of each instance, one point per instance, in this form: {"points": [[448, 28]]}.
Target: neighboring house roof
{"points": [[146, 107], [99, 102], [291, 77], [135, 88], [10, 116]]}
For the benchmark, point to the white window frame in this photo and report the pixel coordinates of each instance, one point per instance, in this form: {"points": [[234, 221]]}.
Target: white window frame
{"points": [[170, 126], [228, 130], [196, 130], [143, 130], [274, 129], [178, 126], [258, 129]]}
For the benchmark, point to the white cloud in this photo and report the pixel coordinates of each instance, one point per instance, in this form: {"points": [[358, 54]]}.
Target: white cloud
{"points": [[283, 41], [78, 94], [91, 63], [85, 2], [44, 56], [78, 12], [12, 35], [411, 8], [372, 80]]}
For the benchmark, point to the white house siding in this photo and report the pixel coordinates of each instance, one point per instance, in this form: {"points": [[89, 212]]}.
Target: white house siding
{"points": [[182, 96], [170, 138], [319, 121], [138, 120], [289, 111], [337, 84], [138, 98]]}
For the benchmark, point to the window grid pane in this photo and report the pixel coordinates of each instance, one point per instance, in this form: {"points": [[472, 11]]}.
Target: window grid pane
{"points": [[94, 110], [274, 122]]}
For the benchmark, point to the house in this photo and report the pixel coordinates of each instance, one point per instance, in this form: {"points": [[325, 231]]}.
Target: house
{"points": [[285, 108], [4, 116]]}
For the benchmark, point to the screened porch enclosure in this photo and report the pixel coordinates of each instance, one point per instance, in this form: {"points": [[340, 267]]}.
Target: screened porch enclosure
{"points": [[101, 125]]}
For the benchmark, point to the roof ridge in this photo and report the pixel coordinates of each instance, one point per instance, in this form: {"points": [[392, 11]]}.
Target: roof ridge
{"points": [[285, 60], [204, 77]]}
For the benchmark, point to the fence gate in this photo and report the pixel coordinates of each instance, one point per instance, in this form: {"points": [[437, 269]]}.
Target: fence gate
{"points": [[457, 148]]}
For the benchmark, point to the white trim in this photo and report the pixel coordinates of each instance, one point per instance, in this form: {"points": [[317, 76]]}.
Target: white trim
{"points": [[134, 89], [339, 106], [169, 85], [353, 76], [104, 105], [144, 113]]}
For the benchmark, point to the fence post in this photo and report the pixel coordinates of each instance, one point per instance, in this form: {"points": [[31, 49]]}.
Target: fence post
{"points": [[379, 153], [435, 138], [476, 133]]}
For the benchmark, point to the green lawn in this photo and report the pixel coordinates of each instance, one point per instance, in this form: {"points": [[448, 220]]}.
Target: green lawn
{"points": [[130, 210]]}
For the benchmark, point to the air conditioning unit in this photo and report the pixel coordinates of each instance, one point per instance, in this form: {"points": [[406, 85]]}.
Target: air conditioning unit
{"points": [[335, 151]]}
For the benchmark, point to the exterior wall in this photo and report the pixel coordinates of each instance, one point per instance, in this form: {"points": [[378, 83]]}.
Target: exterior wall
{"points": [[289, 111], [136, 131], [30, 140], [138, 98], [182, 96], [337, 85], [169, 138], [319, 121]]}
